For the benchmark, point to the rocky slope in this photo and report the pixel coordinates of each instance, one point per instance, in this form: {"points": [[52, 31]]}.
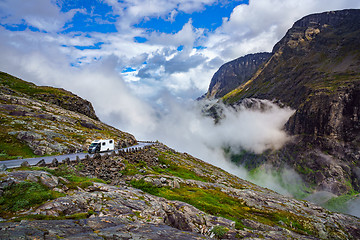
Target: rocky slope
{"points": [[33, 123], [181, 197], [57, 96], [234, 73], [315, 69]]}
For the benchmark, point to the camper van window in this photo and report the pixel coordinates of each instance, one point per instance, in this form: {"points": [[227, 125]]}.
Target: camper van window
{"points": [[103, 143], [110, 141]]}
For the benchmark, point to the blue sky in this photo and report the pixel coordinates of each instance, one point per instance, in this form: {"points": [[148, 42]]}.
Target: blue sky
{"points": [[132, 58]]}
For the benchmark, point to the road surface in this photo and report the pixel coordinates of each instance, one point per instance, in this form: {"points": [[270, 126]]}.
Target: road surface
{"points": [[48, 159]]}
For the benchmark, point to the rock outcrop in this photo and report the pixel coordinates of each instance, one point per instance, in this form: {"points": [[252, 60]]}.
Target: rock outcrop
{"points": [[57, 96], [234, 73]]}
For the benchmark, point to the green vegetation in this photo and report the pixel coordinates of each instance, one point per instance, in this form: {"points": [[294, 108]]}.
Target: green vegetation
{"points": [[173, 167], [12, 148], [24, 195], [29, 88], [214, 201], [219, 231], [68, 173], [176, 169], [340, 204]]}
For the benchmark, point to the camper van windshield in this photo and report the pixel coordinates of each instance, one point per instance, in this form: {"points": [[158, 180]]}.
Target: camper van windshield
{"points": [[94, 145]]}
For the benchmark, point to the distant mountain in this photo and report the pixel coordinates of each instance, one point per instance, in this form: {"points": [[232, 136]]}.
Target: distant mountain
{"points": [[234, 73], [315, 69], [45, 120]]}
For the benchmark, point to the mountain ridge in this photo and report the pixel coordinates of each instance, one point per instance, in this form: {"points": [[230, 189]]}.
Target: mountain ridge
{"points": [[315, 70], [234, 73]]}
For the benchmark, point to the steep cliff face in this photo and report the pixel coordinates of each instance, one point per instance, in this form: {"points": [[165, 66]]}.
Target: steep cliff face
{"points": [[30, 126], [232, 74], [315, 69]]}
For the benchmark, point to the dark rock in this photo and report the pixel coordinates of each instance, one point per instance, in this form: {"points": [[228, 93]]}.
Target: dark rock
{"points": [[41, 163], [70, 102], [97, 156], [3, 167], [46, 116], [89, 125], [66, 161], [17, 113], [25, 164], [8, 182], [234, 73], [55, 163]]}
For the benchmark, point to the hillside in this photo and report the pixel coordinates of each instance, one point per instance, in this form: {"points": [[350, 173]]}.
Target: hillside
{"points": [[234, 73], [44, 120], [315, 69], [181, 197]]}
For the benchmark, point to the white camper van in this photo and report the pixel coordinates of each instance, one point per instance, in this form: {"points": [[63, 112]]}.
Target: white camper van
{"points": [[101, 145]]}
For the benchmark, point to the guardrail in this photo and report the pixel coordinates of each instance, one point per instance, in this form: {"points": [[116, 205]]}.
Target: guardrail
{"points": [[118, 152], [53, 162]]}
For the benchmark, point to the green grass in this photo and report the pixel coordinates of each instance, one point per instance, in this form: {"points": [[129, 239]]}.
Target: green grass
{"points": [[28, 88], [339, 204], [176, 169], [24, 195], [12, 148], [219, 231], [70, 174], [172, 168], [215, 202]]}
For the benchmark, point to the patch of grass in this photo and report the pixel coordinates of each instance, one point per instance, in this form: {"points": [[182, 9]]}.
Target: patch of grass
{"points": [[27, 87], [177, 170], [12, 148], [145, 186], [24, 195], [215, 202], [69, 173], [339, 204], [219, 231], [130, 169]]}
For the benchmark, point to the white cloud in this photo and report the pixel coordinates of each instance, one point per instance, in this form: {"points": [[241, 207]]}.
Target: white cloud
{"points": [[41, 14], [258, 26]]}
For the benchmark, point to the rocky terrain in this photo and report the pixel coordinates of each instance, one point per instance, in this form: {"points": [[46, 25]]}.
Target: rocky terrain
{"points": [[154, 193], [314, 69], [44, 120], [234, 73]]}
